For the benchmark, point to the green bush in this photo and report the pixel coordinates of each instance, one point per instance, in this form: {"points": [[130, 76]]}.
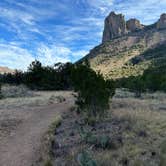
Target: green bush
{"points": [[48, 163], [102, 141], [0, 92], [93, 91], [41, 77], [84, 159], [153, 78], [87, 136]]}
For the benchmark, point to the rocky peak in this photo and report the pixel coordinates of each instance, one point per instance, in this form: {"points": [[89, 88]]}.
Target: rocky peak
{"points": [[5, 70], [161, 24], [133, 25], [115, 26]]}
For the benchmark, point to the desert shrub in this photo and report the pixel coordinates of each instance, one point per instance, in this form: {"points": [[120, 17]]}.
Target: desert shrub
{"points": [[48, 163], [87, 136], [102, 141], [163, 153], [16, 91], [84, 159], [56, 99], [15, 78], [93, 91], [135, 84], [0, 92], [41, 77], [48, 78], [153, 78]]}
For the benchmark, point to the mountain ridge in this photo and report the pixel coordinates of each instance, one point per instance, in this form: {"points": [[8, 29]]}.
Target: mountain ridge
{"points": [[4, 70], [112, 58], [116, 26]]}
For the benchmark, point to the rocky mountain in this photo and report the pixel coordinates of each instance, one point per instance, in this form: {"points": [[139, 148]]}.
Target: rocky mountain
{"points": [[123, 42], [5, 70]]}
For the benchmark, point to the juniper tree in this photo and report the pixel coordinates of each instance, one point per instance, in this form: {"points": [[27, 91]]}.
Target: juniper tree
{"points": [[93, 91]]}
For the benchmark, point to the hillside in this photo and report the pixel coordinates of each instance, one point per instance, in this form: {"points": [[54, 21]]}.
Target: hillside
{"points": [[5, 70], [128, 48]]}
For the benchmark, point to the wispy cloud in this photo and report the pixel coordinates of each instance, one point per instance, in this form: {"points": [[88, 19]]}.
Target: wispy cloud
{"points": [[13, 56], [52, 54], [53, 30]]}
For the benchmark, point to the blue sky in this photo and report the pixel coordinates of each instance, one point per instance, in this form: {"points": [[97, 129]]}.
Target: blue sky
{"points": [[61, 30]]}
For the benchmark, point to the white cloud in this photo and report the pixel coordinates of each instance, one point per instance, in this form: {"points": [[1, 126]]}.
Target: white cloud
{"points": [[14, 57], [17, 15], [147, 11], [34, 21], [49, 55], [102, 5]]}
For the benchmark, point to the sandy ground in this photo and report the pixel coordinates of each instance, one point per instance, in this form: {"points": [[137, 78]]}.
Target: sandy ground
{"points": [[22, 126]]}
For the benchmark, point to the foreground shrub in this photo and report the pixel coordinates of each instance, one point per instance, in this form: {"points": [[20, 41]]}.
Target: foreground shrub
{"points": [[0, 92], [16, 91], [98, 141], [93, 91], [84, 159]]}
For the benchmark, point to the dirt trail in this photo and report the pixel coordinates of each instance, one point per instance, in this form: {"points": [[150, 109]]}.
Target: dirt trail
{"points": [[20, 147]]}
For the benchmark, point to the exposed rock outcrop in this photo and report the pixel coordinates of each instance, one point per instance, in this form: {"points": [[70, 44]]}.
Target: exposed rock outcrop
{"points": [[133, 25], [5, 70], [161, 24], [115, 26]]}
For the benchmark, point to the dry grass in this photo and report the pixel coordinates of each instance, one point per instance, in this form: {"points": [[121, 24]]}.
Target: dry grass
{"points": [[15, 110], [15, 91], [47, 141], [39, 98], [139, 123], [145, 132]]}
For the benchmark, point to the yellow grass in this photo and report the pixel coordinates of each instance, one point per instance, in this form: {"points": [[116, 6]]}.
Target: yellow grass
{"points": [[142, 115]]}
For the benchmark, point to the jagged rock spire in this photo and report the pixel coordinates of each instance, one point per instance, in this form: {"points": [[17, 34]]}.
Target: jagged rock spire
{"points": [[116, 26]]}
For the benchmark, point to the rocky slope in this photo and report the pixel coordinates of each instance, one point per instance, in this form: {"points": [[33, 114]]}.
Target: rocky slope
{"points": [[123, 41], [5, 70]]}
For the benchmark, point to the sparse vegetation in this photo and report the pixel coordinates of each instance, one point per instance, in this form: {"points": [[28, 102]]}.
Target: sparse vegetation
{"points": [[124, 136], [132, 134], [84, 159], [93, 91], [153, 79], [0, 92], [48, 141], [15, 91], [39, 77]]}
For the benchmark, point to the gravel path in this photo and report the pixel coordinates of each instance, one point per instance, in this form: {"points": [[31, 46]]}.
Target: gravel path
{"points": [[20, 142]]}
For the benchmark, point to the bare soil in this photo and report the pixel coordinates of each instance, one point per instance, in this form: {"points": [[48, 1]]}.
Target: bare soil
{"points": [[22, 127]]}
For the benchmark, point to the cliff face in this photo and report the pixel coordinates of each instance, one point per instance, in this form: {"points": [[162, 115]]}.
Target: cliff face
{"points": [[123, 42], [134, 25], [116, 26], [161, 24]]}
